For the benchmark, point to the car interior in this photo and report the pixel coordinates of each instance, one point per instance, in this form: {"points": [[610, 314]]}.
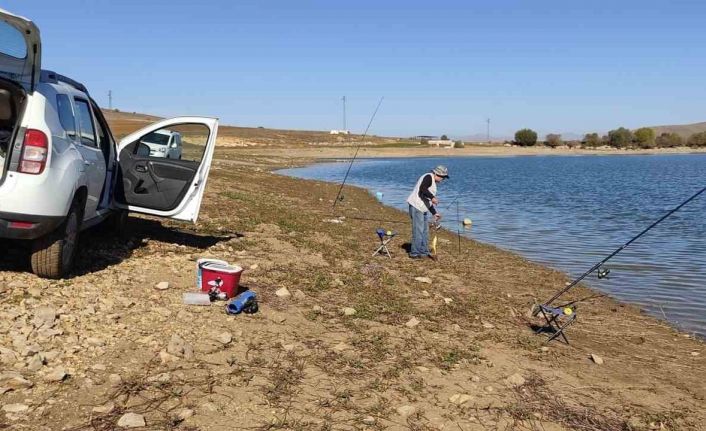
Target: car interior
{"points": [[8, 121], [153, 182], [6, 116]]}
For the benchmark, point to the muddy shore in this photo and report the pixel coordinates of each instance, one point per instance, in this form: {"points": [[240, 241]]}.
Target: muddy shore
{"points": [[380, 151], [355, 342]]}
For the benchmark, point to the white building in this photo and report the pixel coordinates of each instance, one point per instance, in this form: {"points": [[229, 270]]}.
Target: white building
{"points": [[441, 143], [340, 132]]}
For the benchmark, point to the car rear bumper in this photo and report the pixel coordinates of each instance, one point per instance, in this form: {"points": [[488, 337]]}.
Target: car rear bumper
{"points": [[23, 226]]}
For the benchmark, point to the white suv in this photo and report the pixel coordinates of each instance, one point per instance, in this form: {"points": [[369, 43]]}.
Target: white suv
{"points": [[61, 170], [161, 143]]}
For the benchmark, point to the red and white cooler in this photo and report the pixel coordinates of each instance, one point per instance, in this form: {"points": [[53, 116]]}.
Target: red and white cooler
{"points": [[219, 276]]}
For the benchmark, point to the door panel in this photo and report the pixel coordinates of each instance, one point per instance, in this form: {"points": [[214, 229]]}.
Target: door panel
{"points": [[157, 185], [163, 170], [94, 166], [93, 160]]}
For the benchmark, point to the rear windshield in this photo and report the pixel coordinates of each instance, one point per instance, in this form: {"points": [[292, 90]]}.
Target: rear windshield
{"points": [[156, 138], [12, 42]]}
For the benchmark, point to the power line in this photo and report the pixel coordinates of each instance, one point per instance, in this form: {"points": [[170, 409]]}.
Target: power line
{"points": [[488, 130]]}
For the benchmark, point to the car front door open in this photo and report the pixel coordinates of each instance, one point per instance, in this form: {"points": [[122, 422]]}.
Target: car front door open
{"points": [[156, 185]]}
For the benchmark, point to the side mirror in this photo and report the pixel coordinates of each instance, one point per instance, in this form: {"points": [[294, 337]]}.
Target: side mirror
{"points": [[174, 145], [143, 150]]}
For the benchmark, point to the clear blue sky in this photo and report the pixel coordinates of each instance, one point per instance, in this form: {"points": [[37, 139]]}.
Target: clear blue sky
{"points": [[443, 66]]}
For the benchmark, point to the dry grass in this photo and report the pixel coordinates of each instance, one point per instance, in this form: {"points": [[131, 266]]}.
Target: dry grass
{"points": [[123, 123]]}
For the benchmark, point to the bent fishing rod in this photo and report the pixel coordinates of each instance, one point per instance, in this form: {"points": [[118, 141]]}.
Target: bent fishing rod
{"points": [[340, 189], [618, 250]]}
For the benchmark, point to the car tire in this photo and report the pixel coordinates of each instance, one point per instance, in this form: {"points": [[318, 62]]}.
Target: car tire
{"points": [[53, 255]]}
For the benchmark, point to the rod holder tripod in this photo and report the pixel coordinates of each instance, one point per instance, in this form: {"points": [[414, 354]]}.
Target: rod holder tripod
{"points": [[553, 314]]}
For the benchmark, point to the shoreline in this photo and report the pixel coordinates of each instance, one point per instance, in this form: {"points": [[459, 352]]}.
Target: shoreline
{"points": [[372, 152], [596, 311], [654, 315]]}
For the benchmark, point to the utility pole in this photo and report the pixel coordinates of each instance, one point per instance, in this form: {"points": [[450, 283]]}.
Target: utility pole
{"points": [[488, 130], [110, 99], [344, 112]]}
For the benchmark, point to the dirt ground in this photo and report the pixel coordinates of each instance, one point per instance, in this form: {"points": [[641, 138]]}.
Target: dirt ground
{"points": [[355, 341]]}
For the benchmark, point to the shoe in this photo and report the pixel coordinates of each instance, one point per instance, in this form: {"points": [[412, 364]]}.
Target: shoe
{"points": [[415, 256]]}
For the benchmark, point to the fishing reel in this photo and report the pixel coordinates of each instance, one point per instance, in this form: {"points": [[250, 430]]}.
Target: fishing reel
{"points": [[435, 225], [215, 293], [602, 272]]}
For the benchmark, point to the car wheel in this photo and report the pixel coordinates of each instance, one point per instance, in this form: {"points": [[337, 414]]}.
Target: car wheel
{"points": [[53, 255]]}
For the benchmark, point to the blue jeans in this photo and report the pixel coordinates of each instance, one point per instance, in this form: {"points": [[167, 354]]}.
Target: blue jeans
{"points": [[420, 232]]}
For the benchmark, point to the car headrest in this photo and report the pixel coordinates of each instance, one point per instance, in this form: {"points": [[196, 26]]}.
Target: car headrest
{"points": [[5, 105]]}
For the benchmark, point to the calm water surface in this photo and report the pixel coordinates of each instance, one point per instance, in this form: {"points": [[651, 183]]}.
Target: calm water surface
{"points": [[569, 213]]}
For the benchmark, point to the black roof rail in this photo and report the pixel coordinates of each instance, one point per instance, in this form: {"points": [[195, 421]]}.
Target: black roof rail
{"points": [[49, 76]]}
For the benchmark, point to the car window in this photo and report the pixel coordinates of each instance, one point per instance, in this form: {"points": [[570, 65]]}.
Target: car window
{"points": [[66, 114], [85, 121], [157, 138], [104, 141], [190, 140], [12, 42]]}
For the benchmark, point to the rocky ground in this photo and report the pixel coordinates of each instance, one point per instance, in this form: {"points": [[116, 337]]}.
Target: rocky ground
{"points": [[343, 340]]}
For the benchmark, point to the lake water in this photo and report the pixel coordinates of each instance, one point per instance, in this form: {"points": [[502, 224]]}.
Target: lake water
{"points": [[570, 212]]}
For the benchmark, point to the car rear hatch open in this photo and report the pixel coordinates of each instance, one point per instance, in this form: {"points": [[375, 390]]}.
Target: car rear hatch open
{"points": [[20, 50]]}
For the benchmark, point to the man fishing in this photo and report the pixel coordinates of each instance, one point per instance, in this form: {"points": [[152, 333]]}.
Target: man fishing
{"points": [[422, 203]]}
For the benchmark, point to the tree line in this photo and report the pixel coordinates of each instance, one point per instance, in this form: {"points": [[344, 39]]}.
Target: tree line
{"points": [[643, 137]]}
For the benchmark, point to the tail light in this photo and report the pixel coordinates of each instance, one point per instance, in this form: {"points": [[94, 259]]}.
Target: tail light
{"points": [[21, 225], [34, 152]]}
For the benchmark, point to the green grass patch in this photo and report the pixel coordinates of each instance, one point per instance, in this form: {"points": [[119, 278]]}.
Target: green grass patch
{"points": [[238, 196], [454, 356]]}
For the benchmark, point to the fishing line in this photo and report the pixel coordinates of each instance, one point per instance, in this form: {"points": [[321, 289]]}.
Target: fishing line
{"points": [[619, 249], [376, 219], [340, 189], [458, 228], [452, 202], [585, 298]]}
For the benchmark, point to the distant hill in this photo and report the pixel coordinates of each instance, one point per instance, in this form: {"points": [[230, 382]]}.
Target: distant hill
{"points": [[122, 123], [684, 130]]}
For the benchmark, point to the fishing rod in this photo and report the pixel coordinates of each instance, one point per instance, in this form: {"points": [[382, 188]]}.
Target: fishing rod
{"points": [[604, 273], [340, 189]]}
